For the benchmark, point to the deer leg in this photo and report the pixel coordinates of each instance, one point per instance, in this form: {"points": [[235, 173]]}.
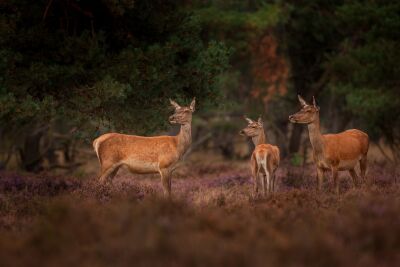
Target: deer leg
{"points": [[320, 178], [335, 179], [256, 180], [273, 182], [262, 177], [110, 171], [166, 182], [269, 185], [363, 167], [354, 177], [114, 172], [270, 177], [254, 176]]}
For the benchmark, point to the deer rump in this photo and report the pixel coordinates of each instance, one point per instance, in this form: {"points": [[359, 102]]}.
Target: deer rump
{"points": [[265, 158], [140, 154]]}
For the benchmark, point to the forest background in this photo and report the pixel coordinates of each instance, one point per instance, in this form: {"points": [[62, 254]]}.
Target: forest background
{"points": [[71, 70]]}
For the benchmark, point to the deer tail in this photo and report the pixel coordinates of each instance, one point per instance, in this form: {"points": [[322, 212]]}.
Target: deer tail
{"points": [[262, 161], [96, 144]]}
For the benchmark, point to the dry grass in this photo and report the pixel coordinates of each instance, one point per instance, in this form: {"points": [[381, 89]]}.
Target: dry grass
{"points": [[213, 220]]}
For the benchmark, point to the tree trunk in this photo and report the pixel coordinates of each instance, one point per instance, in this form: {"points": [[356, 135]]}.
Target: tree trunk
{"points": [[31, 153], [31, 158], [295, 138]]}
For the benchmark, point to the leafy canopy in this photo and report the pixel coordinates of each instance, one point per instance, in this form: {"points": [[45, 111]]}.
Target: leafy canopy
{"points": [[114, 63]]}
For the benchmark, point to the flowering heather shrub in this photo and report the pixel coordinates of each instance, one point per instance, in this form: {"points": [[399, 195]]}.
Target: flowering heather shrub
{"points": [[213, 220]]}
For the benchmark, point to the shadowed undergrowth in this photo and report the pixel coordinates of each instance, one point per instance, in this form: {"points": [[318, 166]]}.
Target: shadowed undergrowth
{"points": [[213, 220]]}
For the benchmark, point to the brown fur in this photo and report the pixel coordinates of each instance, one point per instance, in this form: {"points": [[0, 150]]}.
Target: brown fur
{"points": [[334, 152], [144, 155], [264, 159]]}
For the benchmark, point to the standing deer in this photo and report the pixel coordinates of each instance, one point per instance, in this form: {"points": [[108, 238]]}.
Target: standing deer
{"points": [[142, 155], [264, 159], [334, 152]]}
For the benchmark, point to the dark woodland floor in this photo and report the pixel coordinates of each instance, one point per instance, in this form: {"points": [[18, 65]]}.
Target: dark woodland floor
{"points": [[213, 220]]}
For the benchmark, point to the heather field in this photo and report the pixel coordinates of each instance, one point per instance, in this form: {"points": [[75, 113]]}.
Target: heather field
{"points": [[212, 220], [209, 85]]}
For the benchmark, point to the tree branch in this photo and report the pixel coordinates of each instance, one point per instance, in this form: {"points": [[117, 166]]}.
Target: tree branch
{"points": [[383, 152], [47, 9]]}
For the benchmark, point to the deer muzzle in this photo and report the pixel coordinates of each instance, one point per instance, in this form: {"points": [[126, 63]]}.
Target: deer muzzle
{"points": [[172, 119]]}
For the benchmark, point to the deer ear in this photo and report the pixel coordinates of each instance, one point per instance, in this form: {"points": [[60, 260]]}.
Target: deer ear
{"points": [[260, 120], [314, 102], [302, 101], [247, 119], [193, 104], [174, 104]]}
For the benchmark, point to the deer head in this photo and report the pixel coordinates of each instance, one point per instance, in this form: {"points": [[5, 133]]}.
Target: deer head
{"points": [[307, 114], [253, 129], [182, 115]]}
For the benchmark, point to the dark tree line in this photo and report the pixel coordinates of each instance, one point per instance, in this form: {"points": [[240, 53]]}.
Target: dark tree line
{"points": [[91, 64], [71, 69], [345, 53]]}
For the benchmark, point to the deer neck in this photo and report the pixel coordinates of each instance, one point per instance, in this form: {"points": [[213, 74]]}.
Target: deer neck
{"points": [[184, 138], [316, 139], [259, 139]]}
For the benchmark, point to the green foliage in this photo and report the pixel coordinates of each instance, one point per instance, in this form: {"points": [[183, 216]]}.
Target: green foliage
{"points": [[311, 33], [351, 49], [366, 69], [238, 24], [114, 63], [296, 159]]}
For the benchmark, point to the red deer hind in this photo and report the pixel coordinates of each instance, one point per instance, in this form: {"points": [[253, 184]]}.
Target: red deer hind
{"points": [[333, 152], [142, 155], [264, 159]]}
